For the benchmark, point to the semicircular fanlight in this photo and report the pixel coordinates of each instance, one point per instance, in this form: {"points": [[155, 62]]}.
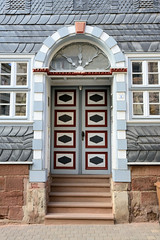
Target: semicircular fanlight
{"points": [[80, 57]]}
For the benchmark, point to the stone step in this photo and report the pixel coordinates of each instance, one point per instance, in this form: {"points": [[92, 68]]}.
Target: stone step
{"points": [[81, 178], [79, 218], [80, 196], [80, 199], [80, 187], [79, 207]]}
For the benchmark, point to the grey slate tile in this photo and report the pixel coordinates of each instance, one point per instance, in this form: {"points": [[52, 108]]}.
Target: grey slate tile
{"points": [[127, 18], [77, 17], [12, 19], [127, 47], [153, 46], [34, 19], [54, 19], [145, 46], [105, 19], [21, 48], [118, 19], [111, 19], [99, 19], [37, 6], [139, 18], [26, 19], [152, 18], [70, 19], [92, 18], [43, 19], [137, 46], [18, 19], [36, 47], [62, 19], [10, 34], [4, 48], [28, 48], [12, 47], [2, 18], [134, 18], [6, 19], [145, 18], [157, 19], [84, 17]]}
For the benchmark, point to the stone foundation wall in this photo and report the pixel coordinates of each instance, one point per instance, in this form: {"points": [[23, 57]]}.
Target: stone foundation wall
{"points": [[120, 197], [137, 201], [21, 201], [142, 195], [35, 207], [13, 180]]}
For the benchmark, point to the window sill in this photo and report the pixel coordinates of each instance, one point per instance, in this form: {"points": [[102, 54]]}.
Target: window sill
{"points": [[143, 122], [15, 121], [16, 163], [142, 163]]}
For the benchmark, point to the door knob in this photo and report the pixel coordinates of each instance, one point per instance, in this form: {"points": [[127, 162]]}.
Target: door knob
{"points": [[83, 135]]}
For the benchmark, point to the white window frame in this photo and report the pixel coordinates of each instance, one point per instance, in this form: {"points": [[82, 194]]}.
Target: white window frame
{"points": [[145, 87], [13, 89]]}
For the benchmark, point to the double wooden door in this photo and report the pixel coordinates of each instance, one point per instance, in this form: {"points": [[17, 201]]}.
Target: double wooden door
{"points": [[80, 130]]}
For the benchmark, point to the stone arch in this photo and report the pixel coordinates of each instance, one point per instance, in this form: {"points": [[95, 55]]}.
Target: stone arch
{"points": [[67, 33], [52, 43]]}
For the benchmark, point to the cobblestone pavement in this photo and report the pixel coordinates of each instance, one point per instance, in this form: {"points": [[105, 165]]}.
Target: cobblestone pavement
{"points": [[138, 231]]}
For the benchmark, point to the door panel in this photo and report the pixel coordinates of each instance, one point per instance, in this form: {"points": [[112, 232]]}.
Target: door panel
{"points": [[64, 131], [96, 147], [81, 131]]}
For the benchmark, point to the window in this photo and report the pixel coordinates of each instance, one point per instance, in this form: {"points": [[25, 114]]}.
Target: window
{"points": [[13, 89], [145, 89]]}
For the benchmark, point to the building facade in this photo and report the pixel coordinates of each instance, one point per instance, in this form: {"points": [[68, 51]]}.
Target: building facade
{"points": [[79, 94]]}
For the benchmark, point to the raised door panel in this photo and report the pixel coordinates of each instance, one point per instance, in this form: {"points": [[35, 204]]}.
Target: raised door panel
{"points": [[65, 125], [96, 128]]}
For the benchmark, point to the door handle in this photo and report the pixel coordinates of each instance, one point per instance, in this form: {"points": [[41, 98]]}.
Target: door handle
{"points": [[83, 135]]}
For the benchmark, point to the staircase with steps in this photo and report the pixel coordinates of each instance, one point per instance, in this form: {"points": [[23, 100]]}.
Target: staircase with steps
{"points": [[80, 199]]}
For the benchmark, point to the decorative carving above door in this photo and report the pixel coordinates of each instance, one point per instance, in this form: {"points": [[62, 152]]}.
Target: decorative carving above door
{"points": [[80, 57]]}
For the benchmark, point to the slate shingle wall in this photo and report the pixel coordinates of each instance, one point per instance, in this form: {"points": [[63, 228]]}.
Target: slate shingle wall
{"points": [[133, 28], [16, 144], [143, 144]]}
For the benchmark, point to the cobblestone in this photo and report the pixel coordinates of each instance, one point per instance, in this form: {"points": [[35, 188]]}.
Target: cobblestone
{"points": [[134, 231]]}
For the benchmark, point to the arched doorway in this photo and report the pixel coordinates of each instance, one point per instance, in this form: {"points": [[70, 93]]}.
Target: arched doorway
{"points": [[114, 77], [89, 87], [80, 114]]}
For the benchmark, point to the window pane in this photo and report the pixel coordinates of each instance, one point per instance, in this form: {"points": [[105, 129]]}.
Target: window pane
{"points": [[153, 67], [21, 67], [21, 80], [138, 109], [137, 79], [154, 97], [6, 68], [138, 97], [5, 80], [153, 78], [4, 110], [154, 109], [21, 98], [5, 98], [20, 110], [136, 67]]}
